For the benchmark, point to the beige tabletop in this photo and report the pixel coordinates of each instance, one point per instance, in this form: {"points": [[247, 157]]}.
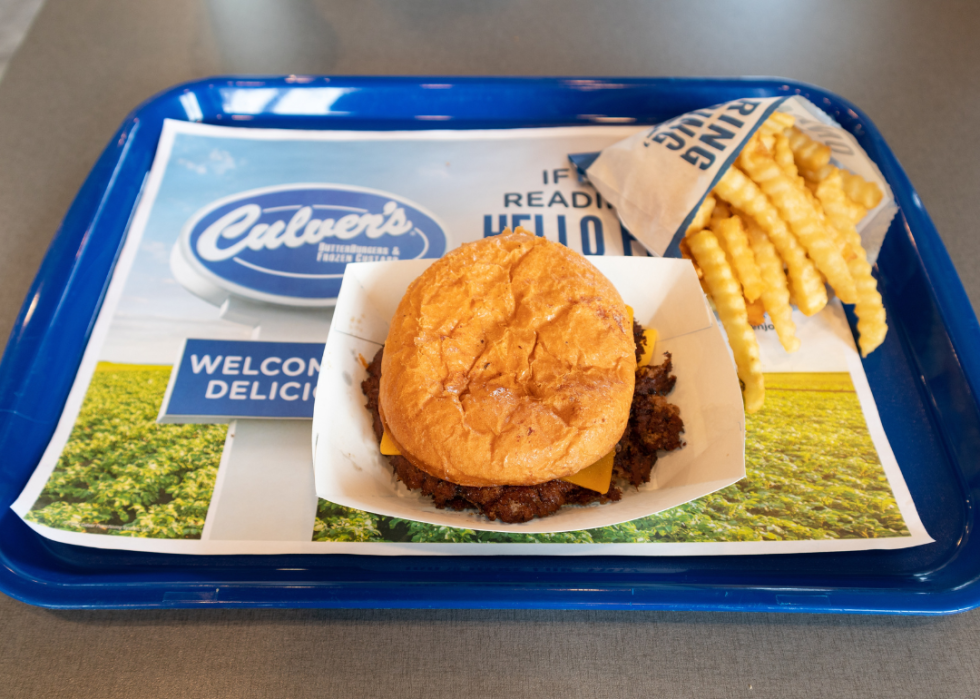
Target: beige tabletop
{"points": [[913, 66]]}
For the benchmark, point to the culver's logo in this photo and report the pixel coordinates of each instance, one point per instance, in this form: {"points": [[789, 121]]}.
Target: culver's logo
{"points": [[290, 244]]}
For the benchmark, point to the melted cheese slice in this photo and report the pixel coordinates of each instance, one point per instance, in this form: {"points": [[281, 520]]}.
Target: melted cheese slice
{"points": [[596, 477], [650, 335], [388, 446]]}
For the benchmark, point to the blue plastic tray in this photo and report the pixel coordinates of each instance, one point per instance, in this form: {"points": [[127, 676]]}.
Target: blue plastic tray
{"points": [[924, 379]]}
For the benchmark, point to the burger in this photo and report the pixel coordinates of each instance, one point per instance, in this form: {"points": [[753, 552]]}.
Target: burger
{"points": [[509, 383]]}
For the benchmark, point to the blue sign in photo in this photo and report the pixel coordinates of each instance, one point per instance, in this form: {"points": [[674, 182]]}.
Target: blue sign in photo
{"points": [[221, 380]]}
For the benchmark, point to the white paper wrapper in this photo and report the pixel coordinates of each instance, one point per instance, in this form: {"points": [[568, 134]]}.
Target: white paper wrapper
{"points": [[665, 294], [658, 177]]}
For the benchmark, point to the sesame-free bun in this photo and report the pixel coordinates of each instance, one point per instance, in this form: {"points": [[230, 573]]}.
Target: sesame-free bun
{"points": [[510, 361]]}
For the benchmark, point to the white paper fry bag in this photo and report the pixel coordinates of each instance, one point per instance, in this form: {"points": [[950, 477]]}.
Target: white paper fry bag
{"points": [[657, 178]]}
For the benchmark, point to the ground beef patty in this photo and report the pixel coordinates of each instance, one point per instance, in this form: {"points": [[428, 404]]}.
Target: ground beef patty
{"points": [[654, 424]]}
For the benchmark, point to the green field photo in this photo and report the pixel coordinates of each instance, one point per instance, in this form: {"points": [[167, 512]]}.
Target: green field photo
{"points": [[121, 473], [812, 472]]}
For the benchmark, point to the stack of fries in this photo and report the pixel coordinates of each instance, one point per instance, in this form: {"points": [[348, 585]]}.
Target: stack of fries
{"points": [[779, 227]]}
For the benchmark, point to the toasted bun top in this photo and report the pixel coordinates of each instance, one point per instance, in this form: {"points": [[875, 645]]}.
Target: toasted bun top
{"points": [[510, 361]]}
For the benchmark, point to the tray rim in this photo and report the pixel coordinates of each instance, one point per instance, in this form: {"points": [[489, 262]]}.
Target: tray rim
{"points": [[945, 285]]}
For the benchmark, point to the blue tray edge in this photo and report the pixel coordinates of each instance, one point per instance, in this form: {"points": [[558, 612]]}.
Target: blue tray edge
{"points": [[82, 218]]}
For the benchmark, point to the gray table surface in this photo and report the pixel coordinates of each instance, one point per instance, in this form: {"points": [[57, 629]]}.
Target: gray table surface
{"points": [[914, 67]]}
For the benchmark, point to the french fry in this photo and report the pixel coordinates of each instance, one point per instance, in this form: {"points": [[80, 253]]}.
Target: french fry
{"points": [[698, 223], [810, 155], [791, 201], [844, 207], [840, 210], [777, 122], [732, 239], [784, 156], [724, 249], [859, 190], [703, 215], [782, 120], [835, 233], [815, 176], [756, 312], [686, 254], [855, 211], [805, 282], [869, 309], [775, 297], [727, 296], [872, 326], [720, 212]]}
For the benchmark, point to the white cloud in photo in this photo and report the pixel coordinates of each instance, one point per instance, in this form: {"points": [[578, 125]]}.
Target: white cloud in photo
{"points": [[148, 340], [218, 162], [158, 251]]}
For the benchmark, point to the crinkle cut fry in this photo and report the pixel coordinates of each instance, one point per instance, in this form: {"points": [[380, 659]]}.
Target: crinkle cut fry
{"points": [[703, 215], [815, 176], [727, 295], [775, 297], [737, 189], [784, 156], [756, 311], [870, 311], [810, 155], [731, 236], [855, 212], [720, 212], [840, 210], [859, 190], [777, 123], [872, 325], [836, 235], [791, 201]]}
